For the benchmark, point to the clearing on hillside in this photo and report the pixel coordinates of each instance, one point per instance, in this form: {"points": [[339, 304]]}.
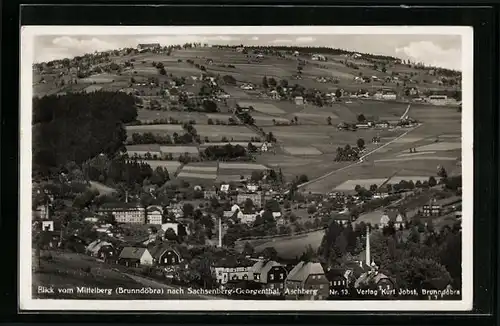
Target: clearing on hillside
{"points": [[235, 133]]}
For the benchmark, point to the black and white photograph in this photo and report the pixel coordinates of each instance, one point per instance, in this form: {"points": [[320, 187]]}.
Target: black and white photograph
{"points": [[246, 168]]}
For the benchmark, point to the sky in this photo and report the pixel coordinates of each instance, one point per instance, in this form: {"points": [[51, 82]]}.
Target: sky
{"points": [[435, 50]]}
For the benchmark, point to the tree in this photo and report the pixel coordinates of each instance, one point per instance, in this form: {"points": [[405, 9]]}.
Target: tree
{"points": [[329, 121], [303, 178], [163, 71], [361, 143], [417, 273], [361, 118], [264, 82], [256, 176], [442, 173], [338, 93], [171, 235], [432, 182], [248, 205], [248, 249], [270, 253], [188, 209], [311, 209]]}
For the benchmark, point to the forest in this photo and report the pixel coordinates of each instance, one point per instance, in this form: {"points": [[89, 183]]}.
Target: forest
{"points": [[76, 127]]}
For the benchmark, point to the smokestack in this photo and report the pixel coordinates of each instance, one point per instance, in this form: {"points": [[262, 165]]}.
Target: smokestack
{"points": [[126, 196], [368, 258], [220, 232]]}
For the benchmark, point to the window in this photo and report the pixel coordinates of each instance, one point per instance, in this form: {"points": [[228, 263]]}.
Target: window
{"points": [[321, 286], [271, 277], [313, 277], [282, 276], [320, 297]]}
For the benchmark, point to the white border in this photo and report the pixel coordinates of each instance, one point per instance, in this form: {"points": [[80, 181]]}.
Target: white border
{"points": [[26, 302]]}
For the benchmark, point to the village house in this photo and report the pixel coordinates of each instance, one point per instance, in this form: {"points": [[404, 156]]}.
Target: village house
{"points": [[230, 269], [269, 274], [101, 249], [209, 194], [438, 99], [342, 218], [338, 279], [48, 225], [382, 124], [165, 254], [299, 100], [248, 219], [125, 212], [135, 257], [43, 211], [392, 216], [303, 278], [154, 214]]}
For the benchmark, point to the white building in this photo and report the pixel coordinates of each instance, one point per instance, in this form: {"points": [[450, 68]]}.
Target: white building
{"points": [[154, 214], [48, 225]]}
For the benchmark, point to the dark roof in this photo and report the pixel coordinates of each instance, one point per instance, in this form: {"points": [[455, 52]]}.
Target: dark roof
{"points": [[303, 269], [132, 252], [158, 250]]}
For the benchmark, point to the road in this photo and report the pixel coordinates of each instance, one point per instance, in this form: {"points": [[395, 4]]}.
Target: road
{"points": [[361, 159]]}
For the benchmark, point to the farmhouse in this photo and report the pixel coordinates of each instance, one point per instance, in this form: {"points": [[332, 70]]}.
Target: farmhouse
{"points": [[307, 281], [125, 212], [135, 257], [101, 249], [269, 274], [165, 254]]}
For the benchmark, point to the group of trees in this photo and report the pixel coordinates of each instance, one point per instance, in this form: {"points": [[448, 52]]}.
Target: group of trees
{"points": [[119, 170], [347, 153], [226, 153], [425, 257], [76, 127]]}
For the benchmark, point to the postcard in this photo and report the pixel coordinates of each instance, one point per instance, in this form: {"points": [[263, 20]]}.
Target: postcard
{"points": [[246, 168]]}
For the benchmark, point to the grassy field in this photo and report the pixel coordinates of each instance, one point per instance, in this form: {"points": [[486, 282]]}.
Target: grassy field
{"points": [[292, 247], [69, 271]]}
